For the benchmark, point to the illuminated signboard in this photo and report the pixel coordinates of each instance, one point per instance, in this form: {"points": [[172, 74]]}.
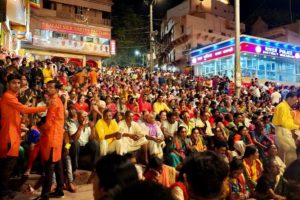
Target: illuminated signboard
{"points": [[213, 55], [269, 51], [113, 47], [249, 48]]}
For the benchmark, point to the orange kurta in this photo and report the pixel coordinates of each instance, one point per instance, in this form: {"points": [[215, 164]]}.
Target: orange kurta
{"points": [[93, 77], [54, 130], [10, 133]]}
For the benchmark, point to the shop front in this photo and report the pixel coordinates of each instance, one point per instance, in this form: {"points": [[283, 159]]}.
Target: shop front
{"points": [[266, 60], [70, 41]]}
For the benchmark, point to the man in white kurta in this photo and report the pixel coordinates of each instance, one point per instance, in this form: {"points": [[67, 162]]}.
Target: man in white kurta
{"points": [[154, 136], [133, 138]]}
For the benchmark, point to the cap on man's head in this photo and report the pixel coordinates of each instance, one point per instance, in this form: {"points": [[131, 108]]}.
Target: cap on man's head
{"points": [[13, 76]]}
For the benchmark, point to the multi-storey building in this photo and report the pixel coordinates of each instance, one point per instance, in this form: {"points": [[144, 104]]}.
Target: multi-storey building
{"points": [[192, 24], [77, 31], [289, 33], [14, 23]]}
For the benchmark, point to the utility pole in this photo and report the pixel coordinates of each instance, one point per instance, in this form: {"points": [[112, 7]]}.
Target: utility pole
{"points": [[237, 70], [151, 34]]}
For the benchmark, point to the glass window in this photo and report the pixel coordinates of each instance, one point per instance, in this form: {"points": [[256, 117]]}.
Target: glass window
{"points": [[59, 35], [268, 66], [271, 76], [262, 67], [297, 69], [89, 39], [254, 63], [249, 63], [261, 74], [37, 32], [273, 66], [244, 62]]}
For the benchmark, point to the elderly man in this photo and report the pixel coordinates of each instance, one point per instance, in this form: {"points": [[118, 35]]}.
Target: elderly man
{"points": [[154, 136], [285, 129], [132, 135]]}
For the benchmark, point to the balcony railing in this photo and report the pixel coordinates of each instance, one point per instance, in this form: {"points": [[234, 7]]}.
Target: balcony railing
{"points": [[83, 19]]}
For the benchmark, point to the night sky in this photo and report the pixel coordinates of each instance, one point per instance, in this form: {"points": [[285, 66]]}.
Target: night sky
{"points": [[274, 12]]}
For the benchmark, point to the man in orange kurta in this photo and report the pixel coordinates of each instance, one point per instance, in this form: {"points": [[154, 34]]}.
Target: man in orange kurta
{"points": [[10, 132], [93, 77], [51, 143]]}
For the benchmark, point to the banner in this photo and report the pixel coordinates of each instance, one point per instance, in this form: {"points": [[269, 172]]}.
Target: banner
{"points": [[113, 47], [35, 4], [65, 44], [80, 30]]}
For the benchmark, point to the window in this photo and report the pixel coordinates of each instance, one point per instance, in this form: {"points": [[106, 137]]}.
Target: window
{"points": [[222, 33], [89, 39], [210, 31], [106, 15], [182, 29], [46, 4], [78, 10], [37, 32], [59, 35]]}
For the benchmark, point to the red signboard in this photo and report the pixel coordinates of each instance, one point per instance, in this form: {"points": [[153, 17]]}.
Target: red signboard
{"points": [[80, 30], [113, 47]]}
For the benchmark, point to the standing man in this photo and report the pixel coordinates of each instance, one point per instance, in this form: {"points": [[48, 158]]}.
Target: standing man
{"points": [[51, 143], [285, 128], [10, 132]]}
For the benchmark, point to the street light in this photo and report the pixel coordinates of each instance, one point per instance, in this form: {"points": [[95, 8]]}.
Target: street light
{"points": [[237, 71], [137, 53]]}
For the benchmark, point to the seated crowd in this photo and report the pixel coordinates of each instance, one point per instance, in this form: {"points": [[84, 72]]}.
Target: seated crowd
{"points": [[172, 137]]}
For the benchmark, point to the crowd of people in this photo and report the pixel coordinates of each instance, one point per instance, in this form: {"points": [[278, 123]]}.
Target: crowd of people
{"points": [[149, 136]]}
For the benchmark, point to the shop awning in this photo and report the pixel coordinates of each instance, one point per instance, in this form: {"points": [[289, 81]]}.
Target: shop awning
{"points": [[75, 61], [92, 63]]}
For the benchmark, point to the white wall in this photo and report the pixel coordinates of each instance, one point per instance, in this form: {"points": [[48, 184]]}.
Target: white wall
{"points": [[180, 10]]}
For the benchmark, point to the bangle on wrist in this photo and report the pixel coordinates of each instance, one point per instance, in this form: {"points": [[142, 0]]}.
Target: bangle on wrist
{"points": [[67, 146]]}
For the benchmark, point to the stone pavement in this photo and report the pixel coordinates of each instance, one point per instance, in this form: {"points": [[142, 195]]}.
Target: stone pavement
{"points": [[85, 192]]}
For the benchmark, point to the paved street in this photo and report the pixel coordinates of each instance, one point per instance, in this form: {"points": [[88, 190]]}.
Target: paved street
{"points": [[85, 192]]}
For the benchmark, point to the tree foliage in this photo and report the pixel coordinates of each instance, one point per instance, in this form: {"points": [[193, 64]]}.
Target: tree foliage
{"points": [[131, 33]]}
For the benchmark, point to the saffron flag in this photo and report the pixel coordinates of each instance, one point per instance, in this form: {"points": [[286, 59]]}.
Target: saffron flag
{"points": [[35, 4]]}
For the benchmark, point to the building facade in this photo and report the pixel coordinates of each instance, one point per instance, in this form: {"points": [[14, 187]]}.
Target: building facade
{"points": [[14, 25], [267, 60], [77, 31], [195, 23], [289, 33]]}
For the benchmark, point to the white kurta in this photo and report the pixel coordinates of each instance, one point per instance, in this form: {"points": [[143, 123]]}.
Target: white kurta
{"points": [[154, 147], [286, 145], [135, 128]]}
